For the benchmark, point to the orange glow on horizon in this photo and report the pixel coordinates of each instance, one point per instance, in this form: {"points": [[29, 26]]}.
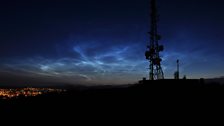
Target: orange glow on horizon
{"points": [[27, 92]]}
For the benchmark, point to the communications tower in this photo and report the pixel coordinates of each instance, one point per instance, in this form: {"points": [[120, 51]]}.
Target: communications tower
{"points": [[153, 49]]}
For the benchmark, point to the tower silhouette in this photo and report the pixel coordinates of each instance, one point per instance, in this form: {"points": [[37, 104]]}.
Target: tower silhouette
{"points": [[176, 74], [153, 50]]}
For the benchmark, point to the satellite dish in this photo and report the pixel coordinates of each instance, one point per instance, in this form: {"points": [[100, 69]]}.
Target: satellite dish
{"points": [[161, 48]]}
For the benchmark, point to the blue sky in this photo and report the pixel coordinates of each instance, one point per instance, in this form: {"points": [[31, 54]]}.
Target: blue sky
{"points": [[98, 42]]}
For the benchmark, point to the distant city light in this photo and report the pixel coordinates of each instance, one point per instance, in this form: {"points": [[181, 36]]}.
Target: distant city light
{"points": [[26, 92]]}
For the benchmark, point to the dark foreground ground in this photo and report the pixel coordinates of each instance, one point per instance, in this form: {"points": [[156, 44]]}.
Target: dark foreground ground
{"points": [[167, 101]]}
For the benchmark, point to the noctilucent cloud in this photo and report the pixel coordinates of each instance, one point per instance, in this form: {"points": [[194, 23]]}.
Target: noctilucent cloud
{"points": [[103, 42]]}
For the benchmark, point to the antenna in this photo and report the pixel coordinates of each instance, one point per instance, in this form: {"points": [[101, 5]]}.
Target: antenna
{"points": [[176, 74], [153, 50], [178, 66]]}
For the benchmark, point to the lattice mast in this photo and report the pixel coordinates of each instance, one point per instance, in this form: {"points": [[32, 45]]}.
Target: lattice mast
{"points": [[153, 50]]}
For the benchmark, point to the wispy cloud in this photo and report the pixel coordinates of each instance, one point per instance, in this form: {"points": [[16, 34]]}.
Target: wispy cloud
{"points": [[119, 63], [100, 68]]}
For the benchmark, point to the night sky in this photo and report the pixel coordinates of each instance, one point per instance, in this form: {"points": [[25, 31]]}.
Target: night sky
{"points": [[104, 41]]}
